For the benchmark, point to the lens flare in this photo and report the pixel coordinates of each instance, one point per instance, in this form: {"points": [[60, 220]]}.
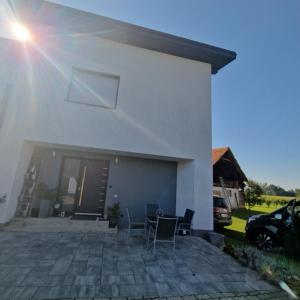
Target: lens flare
{"points": [[21, 32]]}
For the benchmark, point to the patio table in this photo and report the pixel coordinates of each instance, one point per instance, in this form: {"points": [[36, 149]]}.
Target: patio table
{"points": [[152, 220]]}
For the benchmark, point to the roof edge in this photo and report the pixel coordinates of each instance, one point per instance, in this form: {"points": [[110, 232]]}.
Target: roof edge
{"points": [[146, 38]]}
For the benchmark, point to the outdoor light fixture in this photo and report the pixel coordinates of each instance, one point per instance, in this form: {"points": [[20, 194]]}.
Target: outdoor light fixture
{"points": [[21, 32]]}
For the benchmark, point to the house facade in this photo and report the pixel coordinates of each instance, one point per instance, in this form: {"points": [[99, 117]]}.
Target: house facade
{"points": [[96, 111], [226, 166]]}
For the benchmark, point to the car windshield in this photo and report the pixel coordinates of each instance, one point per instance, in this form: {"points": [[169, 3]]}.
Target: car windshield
{"points": [[220, 202]]}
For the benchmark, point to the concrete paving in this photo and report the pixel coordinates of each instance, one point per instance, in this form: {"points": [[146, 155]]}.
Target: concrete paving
{"points": [[70, 265]]}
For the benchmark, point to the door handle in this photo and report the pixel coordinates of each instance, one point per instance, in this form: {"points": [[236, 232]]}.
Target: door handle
{"points": [[82, 186]]}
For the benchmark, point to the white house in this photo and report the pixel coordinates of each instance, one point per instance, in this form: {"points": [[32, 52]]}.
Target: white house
{"points": [[96, 111]]}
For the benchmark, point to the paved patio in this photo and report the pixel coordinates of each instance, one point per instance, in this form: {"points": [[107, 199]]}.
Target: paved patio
{"points": [[69, 265]]}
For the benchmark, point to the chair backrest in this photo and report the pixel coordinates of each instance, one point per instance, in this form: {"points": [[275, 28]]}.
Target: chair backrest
{"points": [[151, 209], [128, 215], [188, 216], [165, 229]]}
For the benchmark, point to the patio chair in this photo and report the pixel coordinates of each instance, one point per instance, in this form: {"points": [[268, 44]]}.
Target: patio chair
{"points": [[185, 223], [163, 232], [133, 225], [151, 209]]}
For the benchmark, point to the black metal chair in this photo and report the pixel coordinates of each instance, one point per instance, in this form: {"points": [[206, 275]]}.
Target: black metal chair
{"points": [[185, 223], [133, 225], [164, 231], [151, 209]]}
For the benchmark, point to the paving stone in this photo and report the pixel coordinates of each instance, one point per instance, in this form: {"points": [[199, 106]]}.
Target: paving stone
{"points": [[174, 298], [61, 267], [127, 279], [166, 289], [202, 296], [110, 279], [55, 292], [94, 261], [87, 280], [190, 278], [77, 268], [36, 281], [107, 290], [143, 278], [13, 271], [70, 265], [191, 297], [137, 291], [17, 293], [86, 291]]}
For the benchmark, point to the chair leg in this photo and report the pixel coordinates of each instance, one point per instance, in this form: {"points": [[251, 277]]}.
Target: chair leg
{"points": [[154, 247], [128, 232], [148, 237], [145, 230]]}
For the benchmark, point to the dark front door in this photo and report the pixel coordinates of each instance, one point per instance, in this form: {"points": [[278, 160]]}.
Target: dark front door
{"points": [[93, 185]]}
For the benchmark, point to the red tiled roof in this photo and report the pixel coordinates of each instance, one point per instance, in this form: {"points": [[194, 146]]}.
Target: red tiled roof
{"points": [[217, 154]]}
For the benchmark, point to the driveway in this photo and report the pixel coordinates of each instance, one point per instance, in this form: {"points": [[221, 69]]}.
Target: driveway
{"points": [[70, 265]]}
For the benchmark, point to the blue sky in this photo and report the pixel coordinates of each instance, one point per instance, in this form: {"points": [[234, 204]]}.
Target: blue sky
{"points": [[256, 99]]}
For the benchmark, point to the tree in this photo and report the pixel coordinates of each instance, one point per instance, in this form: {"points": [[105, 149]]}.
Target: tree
{"points": [[275, 190], [253, 192]]}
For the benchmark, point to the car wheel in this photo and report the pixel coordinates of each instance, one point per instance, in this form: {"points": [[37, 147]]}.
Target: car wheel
{"points": [[264, 240]]}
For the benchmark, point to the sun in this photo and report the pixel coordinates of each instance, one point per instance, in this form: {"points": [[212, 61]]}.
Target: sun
{"points": [[21, 32]]}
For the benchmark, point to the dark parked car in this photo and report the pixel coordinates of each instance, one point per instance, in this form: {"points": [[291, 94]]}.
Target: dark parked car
{"points": [[222, 213], [270, 230]]}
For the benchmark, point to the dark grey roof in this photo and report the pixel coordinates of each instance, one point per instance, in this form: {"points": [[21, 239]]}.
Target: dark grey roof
{"points": [[69, 20]]}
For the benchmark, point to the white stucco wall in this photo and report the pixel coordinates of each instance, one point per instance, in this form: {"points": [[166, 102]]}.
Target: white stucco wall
{"points": [[163, 110]]}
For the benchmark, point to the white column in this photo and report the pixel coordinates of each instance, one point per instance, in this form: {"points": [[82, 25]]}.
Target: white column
{"points": [[194, 191]]}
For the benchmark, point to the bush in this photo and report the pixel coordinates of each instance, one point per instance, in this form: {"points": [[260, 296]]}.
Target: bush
{"points": [[252, 193], [274, 268], [292, 242], [259, 201], [277, 203]]}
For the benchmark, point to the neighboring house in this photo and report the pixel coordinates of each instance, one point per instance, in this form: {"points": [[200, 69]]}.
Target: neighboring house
{"points": [[99, 111], [226, 166]]}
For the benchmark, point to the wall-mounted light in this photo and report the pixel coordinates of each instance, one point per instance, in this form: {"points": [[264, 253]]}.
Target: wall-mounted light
{"points": [[116, 160], [53, 153]]}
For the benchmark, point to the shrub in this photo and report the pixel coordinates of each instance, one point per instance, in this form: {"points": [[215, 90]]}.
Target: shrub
{"points": [[277, 203], [252, 194]]}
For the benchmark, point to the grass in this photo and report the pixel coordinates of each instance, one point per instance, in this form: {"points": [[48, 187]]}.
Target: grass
{"points": [[235, 235], [275, 198]]}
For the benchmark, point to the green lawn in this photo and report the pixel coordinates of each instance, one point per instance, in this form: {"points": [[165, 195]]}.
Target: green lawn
{"points": [[235, 235], [275, 198]]}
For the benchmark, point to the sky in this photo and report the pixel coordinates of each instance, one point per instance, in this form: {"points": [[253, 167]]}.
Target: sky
{"points": [[256, 98]]}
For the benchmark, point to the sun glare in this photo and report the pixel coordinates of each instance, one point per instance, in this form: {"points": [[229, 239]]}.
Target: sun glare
{"points": [[21, 32]]}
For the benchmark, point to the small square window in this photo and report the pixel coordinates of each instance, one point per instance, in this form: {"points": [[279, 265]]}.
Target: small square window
{"points": [[94, 88]]}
